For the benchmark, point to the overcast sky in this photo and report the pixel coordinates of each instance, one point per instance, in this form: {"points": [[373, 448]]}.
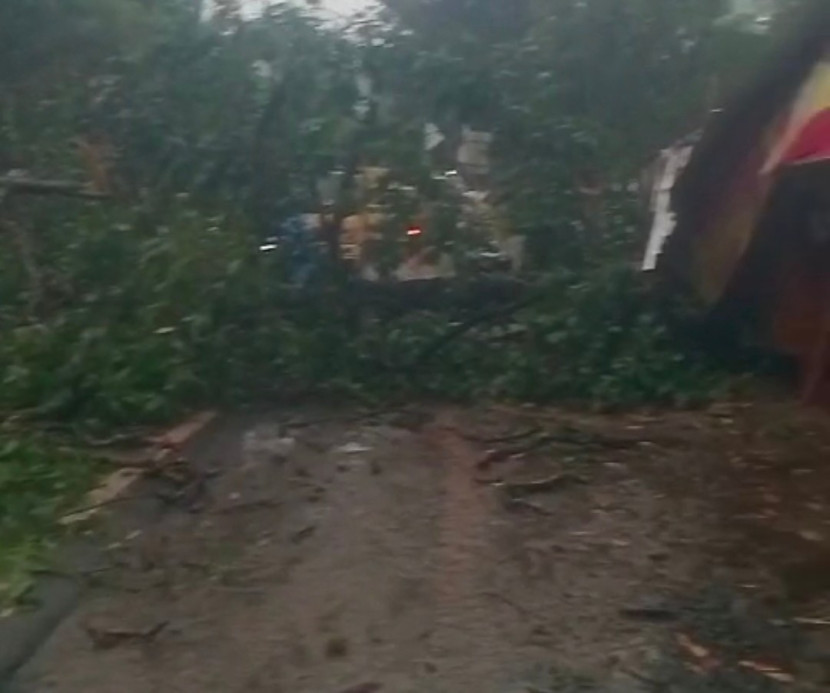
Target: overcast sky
{"points": [[345, 6], [338, 6]]}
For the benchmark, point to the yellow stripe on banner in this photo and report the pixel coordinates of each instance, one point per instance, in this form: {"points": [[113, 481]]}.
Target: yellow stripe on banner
{"points": [[720, 248], [813, 98]]}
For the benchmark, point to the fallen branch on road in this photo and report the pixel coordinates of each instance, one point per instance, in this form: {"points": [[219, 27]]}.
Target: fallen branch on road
{"points": [[459, 330]]}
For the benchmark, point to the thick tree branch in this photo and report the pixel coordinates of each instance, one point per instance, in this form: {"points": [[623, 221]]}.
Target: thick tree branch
{"points": [[33, 186]]}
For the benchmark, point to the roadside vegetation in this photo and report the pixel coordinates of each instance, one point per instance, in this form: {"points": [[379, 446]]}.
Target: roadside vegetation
{"points": [[197, 133]]}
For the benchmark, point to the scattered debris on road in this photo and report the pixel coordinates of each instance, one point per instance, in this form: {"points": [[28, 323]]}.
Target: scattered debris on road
{"points": [[326, 578]]}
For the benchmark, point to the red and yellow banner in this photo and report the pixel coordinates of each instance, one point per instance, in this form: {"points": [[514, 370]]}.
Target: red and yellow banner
{"points": [[799, 135]]}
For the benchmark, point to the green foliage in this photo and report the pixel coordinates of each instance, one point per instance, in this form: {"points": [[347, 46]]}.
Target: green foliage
{"points": [[209, 133], [596, 339], [38, 483], [143, 323], [136, 319], [604, 341]]}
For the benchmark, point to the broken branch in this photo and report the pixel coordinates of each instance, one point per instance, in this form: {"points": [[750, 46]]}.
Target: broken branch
{"points": [[33, 186]]}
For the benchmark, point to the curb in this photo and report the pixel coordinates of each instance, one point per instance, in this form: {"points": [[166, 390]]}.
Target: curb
{"points": [[23, 634]]}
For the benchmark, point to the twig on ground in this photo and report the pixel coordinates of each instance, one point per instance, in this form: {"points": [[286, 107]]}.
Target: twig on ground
{"points": [[553, 483], [512, 503], [108, 638], [67, 574], [90, 509], [504, 454], [653, 614], [241, 506], [504, 439], [643, 678], [133, 438], [572, 436], [299, 536], [491, 458], [509, 602], [367, 687], [567, 437], [812, 622]]}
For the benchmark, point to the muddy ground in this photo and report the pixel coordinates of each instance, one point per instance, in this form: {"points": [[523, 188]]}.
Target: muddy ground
{"points": [[490, 550]]}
